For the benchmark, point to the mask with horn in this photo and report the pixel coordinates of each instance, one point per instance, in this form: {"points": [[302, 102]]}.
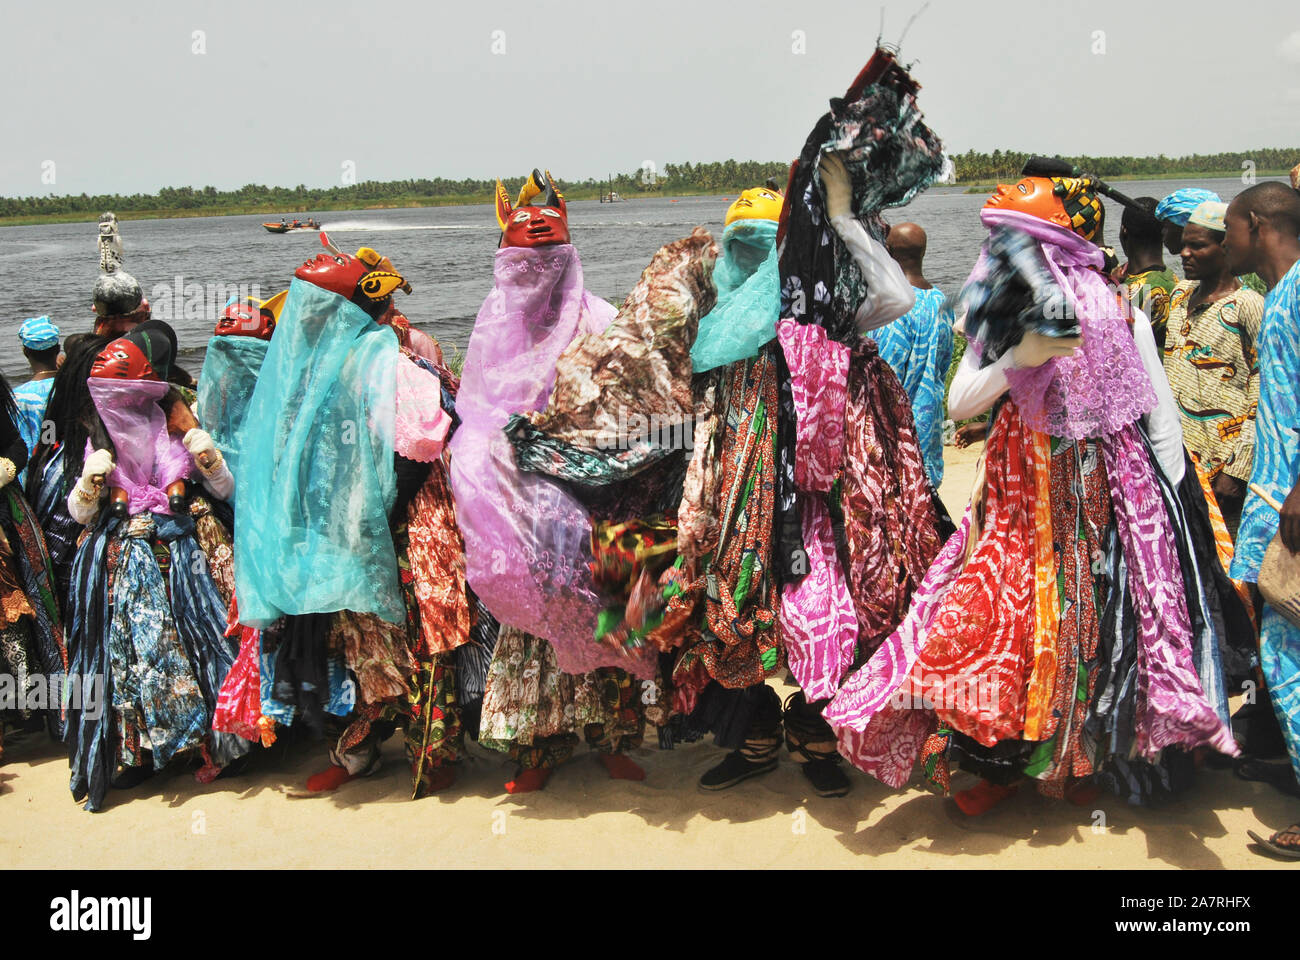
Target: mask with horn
{"points": [[367, 279], [524, 224], [250, 317]]}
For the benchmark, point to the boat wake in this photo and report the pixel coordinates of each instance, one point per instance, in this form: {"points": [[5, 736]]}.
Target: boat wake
{"points": [[379, 226]]}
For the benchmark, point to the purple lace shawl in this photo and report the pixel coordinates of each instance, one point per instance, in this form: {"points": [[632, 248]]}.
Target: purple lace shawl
{"points": [[527, 540], [1104, 386], [148, 458]]}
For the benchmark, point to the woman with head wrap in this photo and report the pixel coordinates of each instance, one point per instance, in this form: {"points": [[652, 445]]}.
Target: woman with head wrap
{"points": [[144, 610], [31, 631], [1064, 628], [1174, 210]]}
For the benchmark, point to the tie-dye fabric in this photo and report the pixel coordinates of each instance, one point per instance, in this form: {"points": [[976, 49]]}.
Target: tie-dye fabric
{"points": [[890, 523], [918, 346], [1277, 426]]}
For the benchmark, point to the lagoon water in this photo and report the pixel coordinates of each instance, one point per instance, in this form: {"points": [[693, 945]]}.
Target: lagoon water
{"points": [[446, 253]]}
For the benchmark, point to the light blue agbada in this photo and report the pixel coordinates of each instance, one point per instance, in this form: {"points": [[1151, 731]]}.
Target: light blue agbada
{"points": [[744, 317], [1276, 469], [918, 346], [316, 477]]}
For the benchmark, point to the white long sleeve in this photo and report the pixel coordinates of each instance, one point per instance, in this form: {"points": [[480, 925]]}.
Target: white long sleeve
{"points": [[222, 482], [1164, 428], [973, 390], [889, 295]]}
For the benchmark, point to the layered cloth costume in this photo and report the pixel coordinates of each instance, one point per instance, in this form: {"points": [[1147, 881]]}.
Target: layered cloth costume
{"points": [[616, 432], [144, 609], [1068, 622], [853, 523], [342, 437], [32, 650], [1276, 470], [528, 538]]}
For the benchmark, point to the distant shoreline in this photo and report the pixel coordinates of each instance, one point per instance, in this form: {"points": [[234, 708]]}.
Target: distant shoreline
{"points": [[983, 186], [409, 203]]}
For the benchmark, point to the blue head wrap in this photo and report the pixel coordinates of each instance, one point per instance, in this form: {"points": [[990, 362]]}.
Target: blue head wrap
{"points": [[38, 333], [1178, 206]]}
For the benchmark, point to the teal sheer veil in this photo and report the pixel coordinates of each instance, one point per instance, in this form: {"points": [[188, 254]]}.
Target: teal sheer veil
{"points": [[230, 371], [748, 282], [316, 475]]}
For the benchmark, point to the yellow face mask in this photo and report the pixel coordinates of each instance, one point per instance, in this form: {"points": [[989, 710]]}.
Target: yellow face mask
{"points": [[756, 203]]}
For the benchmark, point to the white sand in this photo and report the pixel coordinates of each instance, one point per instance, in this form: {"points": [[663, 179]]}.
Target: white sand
{"points": [[584, 819]]}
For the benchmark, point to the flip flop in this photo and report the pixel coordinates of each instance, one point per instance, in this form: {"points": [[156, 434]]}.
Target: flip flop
{"points": [[1280, 850]]}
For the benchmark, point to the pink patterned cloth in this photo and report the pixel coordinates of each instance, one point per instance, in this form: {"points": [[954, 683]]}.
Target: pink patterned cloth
{"points": [[878, 715], [818, 622], [819, 376], [1172, 709], [1104, 386], [527, 540], [421, 424], [148, 459]]}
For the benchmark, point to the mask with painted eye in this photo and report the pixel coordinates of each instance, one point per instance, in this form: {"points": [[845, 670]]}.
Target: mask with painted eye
{"points": [[369, 286], [756, 203], [525, 224], [249, 317]]}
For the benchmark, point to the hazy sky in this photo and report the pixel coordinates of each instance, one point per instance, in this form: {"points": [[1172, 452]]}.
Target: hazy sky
{"points": [[287, 92]]}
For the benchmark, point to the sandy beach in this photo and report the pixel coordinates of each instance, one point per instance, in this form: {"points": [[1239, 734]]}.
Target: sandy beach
{"points": [[585, 819]]}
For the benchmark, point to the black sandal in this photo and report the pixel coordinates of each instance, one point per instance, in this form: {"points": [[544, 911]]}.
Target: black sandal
{"points": [[1287, 851], [811, 739], [1279, 775], [754, 759]]}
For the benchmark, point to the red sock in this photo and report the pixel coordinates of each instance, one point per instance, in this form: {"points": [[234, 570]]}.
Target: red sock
{"points": [[440, 778], [330, 779], [526, 781], [982, 797], [621, 766], [1083, 794]]}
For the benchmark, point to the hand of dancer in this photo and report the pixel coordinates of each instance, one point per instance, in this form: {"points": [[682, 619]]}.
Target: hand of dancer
{"points": [[1035, 349], [199, 443], [837, 184], [97, 466], [1289, 527], [7, 472]]}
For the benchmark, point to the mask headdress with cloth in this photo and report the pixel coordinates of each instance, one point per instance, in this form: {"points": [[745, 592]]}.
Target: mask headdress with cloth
{"points": [[128, 381], [317, 478], [744, 317], [1068, 474], [157, 633], [526, 538], [231, 365], [1039, 271]]}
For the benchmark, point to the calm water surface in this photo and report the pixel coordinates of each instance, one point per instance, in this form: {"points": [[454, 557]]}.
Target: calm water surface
{"points": [[446, 253]]}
